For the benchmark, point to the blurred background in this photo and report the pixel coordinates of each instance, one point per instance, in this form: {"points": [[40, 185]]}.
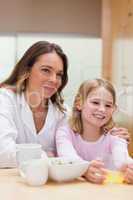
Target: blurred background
{"points": [[97, 36], [74, 24]]}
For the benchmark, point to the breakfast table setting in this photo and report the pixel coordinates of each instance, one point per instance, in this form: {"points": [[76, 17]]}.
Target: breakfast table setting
{"points": [[37, 177]]}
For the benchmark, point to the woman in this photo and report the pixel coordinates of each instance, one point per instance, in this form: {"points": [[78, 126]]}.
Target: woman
{"points": [[31, 102]]}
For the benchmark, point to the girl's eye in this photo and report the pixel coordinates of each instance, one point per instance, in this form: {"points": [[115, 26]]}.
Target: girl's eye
{"points": [[95, 102]]}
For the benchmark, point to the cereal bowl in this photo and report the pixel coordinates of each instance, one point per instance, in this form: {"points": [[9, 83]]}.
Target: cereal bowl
{"points": [[64, 169]]}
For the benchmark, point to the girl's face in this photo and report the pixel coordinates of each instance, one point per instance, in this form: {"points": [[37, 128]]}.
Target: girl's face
{"points": [[98, 108], [46, 75]]}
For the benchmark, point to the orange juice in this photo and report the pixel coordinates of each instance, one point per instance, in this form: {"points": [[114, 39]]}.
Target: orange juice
{"points": [[114, 177]]}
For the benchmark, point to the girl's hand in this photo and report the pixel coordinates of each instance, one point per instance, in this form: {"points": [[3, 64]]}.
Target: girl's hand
{"points": [[121, 132], [50, 154], [96, 172], [128, 173]]}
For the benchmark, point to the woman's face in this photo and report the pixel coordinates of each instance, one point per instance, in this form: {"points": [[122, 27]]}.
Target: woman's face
{"points": [[45, 76], [97, 110]]}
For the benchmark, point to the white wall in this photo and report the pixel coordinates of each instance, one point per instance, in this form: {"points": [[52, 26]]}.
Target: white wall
{"points": [[7, 55], [84, 55]]}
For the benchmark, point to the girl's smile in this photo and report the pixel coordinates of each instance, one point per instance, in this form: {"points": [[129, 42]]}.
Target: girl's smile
{"points": [[98, 108]]}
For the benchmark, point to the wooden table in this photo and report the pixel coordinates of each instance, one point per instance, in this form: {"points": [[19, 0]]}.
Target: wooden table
{"points": [[12, 187]]}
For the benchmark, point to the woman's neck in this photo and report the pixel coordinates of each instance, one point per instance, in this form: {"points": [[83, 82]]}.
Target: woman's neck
{"points": [[35, 102], [39, 110], [91, 133]]}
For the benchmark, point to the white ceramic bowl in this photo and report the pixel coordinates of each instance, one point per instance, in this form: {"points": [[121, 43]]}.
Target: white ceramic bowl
{"points": [[62, 169]]}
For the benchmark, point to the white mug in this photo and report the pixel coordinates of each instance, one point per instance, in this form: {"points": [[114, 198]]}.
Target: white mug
{"points": [[28, 151], [35, 171]]}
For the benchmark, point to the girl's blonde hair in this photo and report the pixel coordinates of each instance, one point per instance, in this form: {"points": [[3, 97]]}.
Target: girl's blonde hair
{"points": [[82, 94]]}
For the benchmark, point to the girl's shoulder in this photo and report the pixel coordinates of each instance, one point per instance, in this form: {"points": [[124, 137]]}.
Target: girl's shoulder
{"points": [[115, 139]]}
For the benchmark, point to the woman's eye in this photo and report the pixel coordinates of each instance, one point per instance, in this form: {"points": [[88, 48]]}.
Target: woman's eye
{"points": [[46, 70], [59, 76], [108, 106]]}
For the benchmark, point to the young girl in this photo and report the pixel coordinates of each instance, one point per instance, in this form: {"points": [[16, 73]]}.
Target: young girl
{"points": [[88, 134]]}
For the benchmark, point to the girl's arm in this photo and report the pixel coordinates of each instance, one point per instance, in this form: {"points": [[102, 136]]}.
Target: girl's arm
{"points": [[8, 132], [96, 172], [119, 152], [127, 169], [122, 160], [64, 142]]}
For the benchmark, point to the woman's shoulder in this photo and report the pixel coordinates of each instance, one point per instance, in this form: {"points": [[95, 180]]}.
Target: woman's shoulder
{"points": [[7, 91], [7, 94]]}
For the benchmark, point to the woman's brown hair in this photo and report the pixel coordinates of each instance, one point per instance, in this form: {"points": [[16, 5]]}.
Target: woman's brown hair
{"points": [[17, 79]]}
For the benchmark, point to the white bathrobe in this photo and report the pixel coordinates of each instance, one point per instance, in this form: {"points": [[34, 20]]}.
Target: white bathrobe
{"points": [[17, 126]]}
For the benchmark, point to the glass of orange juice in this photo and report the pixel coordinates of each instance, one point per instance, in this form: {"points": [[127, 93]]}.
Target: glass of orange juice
{"points": [[114, 177]]}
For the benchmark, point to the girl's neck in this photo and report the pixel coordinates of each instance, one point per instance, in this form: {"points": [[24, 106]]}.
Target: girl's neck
{"points": [[91, 133]]}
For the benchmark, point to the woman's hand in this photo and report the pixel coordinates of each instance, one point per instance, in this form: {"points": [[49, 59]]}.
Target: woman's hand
{"points": [[121, 132], [128, 173], [96, 172]]}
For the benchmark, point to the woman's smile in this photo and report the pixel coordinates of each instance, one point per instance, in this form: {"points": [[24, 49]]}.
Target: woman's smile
{"points": [[49, 89]]}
